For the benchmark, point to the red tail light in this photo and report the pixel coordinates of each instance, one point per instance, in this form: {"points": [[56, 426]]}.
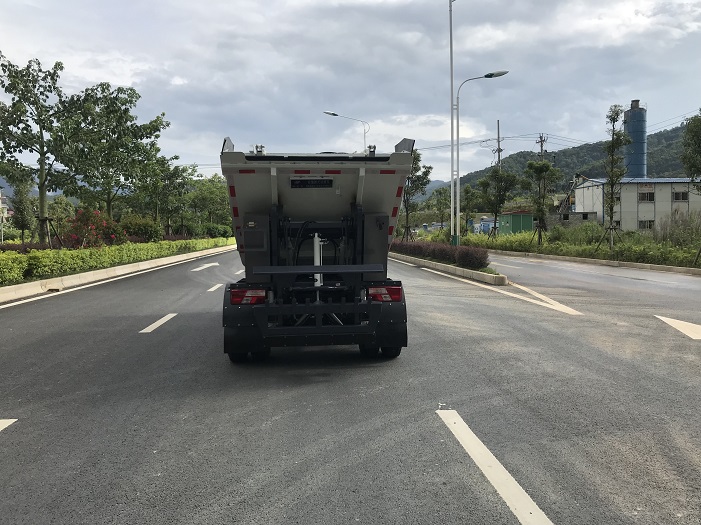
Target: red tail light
{"points": [[385, 294], [241, 296]]}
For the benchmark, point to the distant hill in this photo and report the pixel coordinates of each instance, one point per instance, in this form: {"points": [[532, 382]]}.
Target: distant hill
{"points": [[664, 150]]}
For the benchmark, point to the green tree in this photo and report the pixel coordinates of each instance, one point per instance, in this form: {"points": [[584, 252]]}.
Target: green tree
{"points": [[613, 165], [60, 210], [691, 155], [23, 218], [209, 200], [468, 202], [415, 185], [440, 202], [497, 188], [540, 179], [114, 149], [28, 123]]}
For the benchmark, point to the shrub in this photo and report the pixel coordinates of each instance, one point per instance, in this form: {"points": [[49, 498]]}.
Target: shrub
{"points": [[89, 229], [217, 230], [42, 264], [13, 265], [472, 257], [145, 228]]}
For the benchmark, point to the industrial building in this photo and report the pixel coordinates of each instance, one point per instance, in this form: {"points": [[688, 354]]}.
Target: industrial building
{"points": [[644, 202]]}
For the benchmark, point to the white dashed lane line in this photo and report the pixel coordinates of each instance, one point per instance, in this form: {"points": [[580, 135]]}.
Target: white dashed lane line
{"points": [[215, 287], [520, 503], [239, 272], [162, 320], [4, 423]]}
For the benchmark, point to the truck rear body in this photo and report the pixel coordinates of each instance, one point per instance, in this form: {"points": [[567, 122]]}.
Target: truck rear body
{"points": [[313, 233]]}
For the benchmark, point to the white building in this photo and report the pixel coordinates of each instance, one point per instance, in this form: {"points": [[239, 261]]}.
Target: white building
{"points": [[643, 202]]}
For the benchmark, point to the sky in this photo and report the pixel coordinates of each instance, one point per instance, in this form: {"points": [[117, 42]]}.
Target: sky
{"points": [[264, 72]]}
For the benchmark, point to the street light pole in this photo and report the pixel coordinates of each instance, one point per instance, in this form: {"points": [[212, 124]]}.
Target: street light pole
{"points": [[365, 129], [456, 210], [452, 126]]}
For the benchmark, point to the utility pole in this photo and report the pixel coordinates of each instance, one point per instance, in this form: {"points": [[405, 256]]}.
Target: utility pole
{"points": [[542, 140], [498, 147], [540, 226]]}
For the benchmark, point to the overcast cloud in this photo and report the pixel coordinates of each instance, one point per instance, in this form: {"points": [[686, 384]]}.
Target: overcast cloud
{"points": [[263, 72]]}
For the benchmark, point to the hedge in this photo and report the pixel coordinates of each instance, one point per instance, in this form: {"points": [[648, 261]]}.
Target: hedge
{"points": [[13, 266], [470, 257], [43, 264]]}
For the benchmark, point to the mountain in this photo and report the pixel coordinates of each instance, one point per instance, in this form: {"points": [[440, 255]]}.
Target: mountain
{"points": [[664, 150]]}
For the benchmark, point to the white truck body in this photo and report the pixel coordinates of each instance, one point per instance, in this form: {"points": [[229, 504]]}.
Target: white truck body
{"points": [[313, 232]]}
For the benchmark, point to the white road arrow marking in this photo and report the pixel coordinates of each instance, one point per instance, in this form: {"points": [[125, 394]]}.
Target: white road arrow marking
{"points": [[689, 329], [4, 423], [524, 508], [199, 268], [162, 320]]}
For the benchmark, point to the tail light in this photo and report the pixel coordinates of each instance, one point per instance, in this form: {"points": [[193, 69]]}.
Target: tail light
{"points": [[243, 296], [385, 294]]}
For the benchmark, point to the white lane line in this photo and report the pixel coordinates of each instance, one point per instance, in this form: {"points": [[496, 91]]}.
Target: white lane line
{"points": [[162, 320], [520, 503], [200, 268], [4, 423], [552, 304], [689, 329], [502, 264], [240, 272], [215, 287], [401, 262]]}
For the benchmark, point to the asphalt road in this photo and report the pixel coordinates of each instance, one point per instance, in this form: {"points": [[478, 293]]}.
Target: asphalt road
{"points": [[560, 399]]}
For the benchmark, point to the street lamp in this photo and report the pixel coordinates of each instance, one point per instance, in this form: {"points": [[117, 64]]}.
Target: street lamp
{"points": [[366, 126], [493, 74]]}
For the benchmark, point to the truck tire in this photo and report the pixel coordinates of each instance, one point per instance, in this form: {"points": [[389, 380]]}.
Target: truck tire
{"points": [[238, 357], [236, 354], [260, 355], [390, 352], [369, 350]]}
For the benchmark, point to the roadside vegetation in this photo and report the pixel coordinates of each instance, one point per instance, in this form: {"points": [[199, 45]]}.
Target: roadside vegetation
{"points": [[88, 185]]}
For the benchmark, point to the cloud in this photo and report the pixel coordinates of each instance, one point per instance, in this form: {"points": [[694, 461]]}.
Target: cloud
{"points": [[265, 72]]}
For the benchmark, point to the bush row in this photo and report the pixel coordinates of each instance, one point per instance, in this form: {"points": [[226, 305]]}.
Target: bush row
{"points": [[582, 242], [471, 257], [43, 264]]}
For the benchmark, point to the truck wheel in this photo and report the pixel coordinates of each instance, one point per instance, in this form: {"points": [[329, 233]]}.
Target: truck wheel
{"points": [[238, 357], [260, 355], [369, 350], [232, 349], [390, 352]]}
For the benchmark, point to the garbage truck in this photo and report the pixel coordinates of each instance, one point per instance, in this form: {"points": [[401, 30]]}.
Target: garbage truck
{"points": [[313, 232]]}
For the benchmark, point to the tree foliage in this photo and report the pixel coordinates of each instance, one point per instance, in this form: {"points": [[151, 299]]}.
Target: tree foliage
{"points": [[415, 185], [540, 180], [23, 218], [113, 151], [497, 188], [440, 203], [615, 170], [28, 124], [691, 155]]}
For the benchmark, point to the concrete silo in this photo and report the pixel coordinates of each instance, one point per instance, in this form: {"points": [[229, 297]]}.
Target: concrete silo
{"points": [[635, 125]]}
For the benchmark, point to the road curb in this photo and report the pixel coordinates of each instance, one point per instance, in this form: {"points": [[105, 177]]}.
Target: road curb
{"points": [[56, 284], [604, 262], [496, 280]]}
